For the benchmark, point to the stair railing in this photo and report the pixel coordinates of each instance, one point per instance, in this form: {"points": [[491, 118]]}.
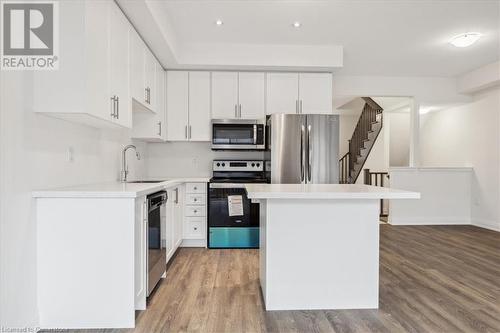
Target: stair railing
{"points": [[371, 110]]}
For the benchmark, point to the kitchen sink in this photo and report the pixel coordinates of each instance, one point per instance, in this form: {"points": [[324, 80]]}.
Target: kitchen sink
{"points": [[145, 181]]}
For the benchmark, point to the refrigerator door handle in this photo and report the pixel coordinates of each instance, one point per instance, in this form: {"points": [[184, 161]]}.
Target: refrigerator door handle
{"points": [[302, 153], [310, 152]]}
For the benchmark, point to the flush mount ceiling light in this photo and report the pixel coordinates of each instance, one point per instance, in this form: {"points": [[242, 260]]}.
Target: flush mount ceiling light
{"points": [[219, 22], [296, 24], [466, 39]]}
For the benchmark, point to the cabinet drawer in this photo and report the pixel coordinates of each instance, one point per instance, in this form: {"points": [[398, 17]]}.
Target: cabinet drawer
{"points": [[195, 210], [196, 199], [196, 188], [195, 227]]}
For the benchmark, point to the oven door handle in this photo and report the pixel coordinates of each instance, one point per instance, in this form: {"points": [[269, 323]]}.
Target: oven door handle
{"points": [[226, 185]]}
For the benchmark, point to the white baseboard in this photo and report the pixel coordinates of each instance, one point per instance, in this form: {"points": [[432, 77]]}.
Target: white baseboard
{"points": [[194, 243], [487, 224], [429, 221]]}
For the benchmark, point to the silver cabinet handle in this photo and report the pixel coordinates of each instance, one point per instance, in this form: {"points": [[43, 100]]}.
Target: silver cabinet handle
{"points": [[302, 152], [195, 199], [195, 211], [146, 94], [239, 113], [190, 132], [186, 131], [176, 195], [195, 228], [159, 128], [235, 110], [117, 107], [309, 153], [195, 188], [297, 106], [300, 106], [113, 107]]}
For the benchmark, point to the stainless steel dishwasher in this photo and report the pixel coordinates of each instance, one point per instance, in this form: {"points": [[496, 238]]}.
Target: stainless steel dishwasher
{"points": [[157, 255]]}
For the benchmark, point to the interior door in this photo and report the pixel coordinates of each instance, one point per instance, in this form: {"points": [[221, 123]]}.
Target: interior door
{"points": [[323, 149], [287, 153], [177, 105], [315, 93], [199, 106], [224, 95], [120, 64], [282, 93], [252, 95]]}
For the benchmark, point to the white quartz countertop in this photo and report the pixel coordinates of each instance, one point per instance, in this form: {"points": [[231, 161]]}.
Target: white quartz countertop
{"points": [[113, 189], [325, 191]]}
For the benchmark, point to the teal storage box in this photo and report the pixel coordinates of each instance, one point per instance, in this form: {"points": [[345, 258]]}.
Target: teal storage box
{"points": [[237, 237]]}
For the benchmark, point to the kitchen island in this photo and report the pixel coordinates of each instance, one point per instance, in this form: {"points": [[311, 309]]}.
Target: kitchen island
{"points": [[319, 244]]}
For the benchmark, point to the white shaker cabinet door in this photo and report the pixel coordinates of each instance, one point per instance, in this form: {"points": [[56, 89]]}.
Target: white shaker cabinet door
{"points": [[120, 65], [252, 95], [282, 93], [177, 105], [199, 106], [137, 72], [224, 95], [150, 65], [97, 61], [315, 93]]}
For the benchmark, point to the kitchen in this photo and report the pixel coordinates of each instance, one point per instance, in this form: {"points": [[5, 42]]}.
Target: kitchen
{"points": [[189, 173]]}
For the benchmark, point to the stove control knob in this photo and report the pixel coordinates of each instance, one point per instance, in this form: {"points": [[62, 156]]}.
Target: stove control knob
{"points": [[223, 164], [253, 164], [218, 164], [258, 165]]}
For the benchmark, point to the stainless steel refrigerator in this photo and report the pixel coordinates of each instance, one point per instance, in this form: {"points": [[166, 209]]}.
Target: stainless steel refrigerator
{"points": [[303, 149]]}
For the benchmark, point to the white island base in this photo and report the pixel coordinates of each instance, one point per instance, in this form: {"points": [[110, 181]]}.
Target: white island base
{"points": [[319, 245]]}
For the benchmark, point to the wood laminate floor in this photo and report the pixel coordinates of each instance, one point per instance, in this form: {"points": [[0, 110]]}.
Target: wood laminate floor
{"points": [[432, 279]]}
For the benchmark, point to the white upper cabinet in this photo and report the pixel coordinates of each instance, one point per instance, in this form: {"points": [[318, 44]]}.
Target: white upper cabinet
{"points": [[93, 68], [315, 93], [120, 66], [137, 70], [177, 105], [224, 95], [251, 95], [199, 106], [150, 65], [282, 93], [305, 93], [238, 95], [188, 106]]}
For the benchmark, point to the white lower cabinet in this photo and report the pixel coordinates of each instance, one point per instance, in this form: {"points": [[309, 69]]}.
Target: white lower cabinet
{"points": [[195, 213], [140, 253]]}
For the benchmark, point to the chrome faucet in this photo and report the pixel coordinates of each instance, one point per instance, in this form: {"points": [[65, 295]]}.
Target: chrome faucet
{"points": [[124, 172]]}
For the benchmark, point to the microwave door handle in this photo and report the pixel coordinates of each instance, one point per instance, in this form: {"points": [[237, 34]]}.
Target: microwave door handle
{"points": [[254, 134]]}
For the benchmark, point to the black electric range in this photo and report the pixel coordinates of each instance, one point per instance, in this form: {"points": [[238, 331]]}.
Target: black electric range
{"points": [[233, 220]]}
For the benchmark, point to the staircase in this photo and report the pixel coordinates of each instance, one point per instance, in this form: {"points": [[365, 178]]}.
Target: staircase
{"points": [[365, 134]]}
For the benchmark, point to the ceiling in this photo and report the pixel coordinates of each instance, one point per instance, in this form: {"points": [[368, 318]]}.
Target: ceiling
{"points": [[389, 37]]}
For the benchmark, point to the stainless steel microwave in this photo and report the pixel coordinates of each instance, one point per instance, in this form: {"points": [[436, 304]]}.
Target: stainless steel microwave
{"points": [[238, 134]]}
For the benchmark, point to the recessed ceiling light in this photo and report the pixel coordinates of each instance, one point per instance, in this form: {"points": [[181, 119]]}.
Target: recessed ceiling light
{"points": [[219, 22], [466, 39], [296, 24]]}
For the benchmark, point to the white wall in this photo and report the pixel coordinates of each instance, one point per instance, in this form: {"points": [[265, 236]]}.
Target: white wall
{"points": [[469, 135], [398, 124], [188, 159], [445, 196], [33, 152]]}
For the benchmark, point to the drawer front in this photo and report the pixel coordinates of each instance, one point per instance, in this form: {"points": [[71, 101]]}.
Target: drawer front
{"points": [[196, 199], [196, 188], [195, 227], [195, 210]]}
